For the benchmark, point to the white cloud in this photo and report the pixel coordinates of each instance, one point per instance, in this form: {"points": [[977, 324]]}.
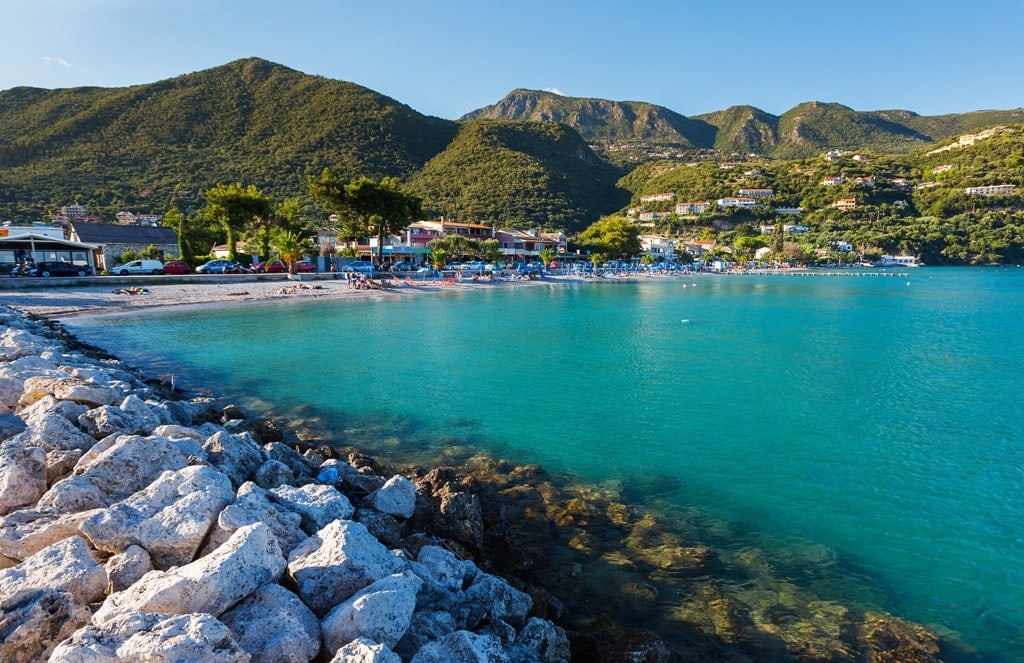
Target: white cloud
{"points": [[554, 90], [63, 62]]}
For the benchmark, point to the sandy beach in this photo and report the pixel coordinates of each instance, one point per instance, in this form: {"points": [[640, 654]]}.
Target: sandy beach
{"points": [[56, 301]]}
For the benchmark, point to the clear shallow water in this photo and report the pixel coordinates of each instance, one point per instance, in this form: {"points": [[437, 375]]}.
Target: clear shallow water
{"points": [[879, 417]]}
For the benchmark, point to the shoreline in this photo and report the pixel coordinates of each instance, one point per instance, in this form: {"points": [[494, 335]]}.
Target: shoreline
{"points": [[573, 510]]}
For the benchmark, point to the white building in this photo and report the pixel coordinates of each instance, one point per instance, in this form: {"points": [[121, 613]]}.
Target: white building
{"points": [[689, 208], [992, 190], [757, 193], [744, 202], [657, 197]]}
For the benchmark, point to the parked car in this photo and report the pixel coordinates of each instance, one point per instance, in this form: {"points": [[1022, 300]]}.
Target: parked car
{"points": [[304, 266], [176, 267], [362, 266], [138, 267], [403, 266], [222, 267], [270, 267], [52, 269]]}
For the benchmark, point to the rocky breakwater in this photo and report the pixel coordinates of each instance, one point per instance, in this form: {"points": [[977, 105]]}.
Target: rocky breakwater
{"points": [[139, 524]]}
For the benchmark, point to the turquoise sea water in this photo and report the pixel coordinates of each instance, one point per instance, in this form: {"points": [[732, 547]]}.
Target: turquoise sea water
{"points": [[875, 418]]}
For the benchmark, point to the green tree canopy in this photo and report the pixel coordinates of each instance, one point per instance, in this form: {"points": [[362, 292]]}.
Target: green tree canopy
{"points": [[235, 208], [614, 236], [365, 206]]}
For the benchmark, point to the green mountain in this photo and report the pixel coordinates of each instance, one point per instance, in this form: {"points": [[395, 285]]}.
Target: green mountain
{"points": [[257, 122], [743, 129], [618, 128], [249, 120], [519, 175], [634, 131]]}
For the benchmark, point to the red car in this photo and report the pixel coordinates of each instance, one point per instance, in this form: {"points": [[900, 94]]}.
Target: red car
{"points": [[176, 267], [270, 267], [305, 266]]}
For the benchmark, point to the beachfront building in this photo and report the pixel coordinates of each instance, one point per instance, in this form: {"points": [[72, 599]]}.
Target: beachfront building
{"points": [[111, 239], [526, 245], [992, 190], [658, 246], [42, 247]]}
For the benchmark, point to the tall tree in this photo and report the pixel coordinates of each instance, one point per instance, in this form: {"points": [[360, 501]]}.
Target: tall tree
{"points": [[615, 236], [235, 208], [367, 207]]}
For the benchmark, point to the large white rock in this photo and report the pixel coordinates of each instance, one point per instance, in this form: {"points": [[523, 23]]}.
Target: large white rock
{"points": [[33, 621], [214, 583], [26, 532], [50, 429], [234, 455], [117, 467], [491, 598], [337, 562], [317, 504], [380, 612], [464, 647], [544, 640], [170, 518], [253, 505], [445, 568], [364, 650], [397, 497], [126, 568], [274, 626], [67, 565], [22, 475], [195, 638], [132, 416], [92, 395]]}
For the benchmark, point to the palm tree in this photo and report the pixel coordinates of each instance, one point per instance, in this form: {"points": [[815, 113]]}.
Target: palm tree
{"points": [[290, 247]]}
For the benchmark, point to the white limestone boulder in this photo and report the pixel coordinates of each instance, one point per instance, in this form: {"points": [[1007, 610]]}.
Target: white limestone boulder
{"points": [[33, 621], [364, 650], [491, 598], [117, 467], [22, 475], [274, 626], [445, 568], [126, 568], [236, 456], [463, 646], [317, 504], [252, 504], [195, 638], [49, 428], [132, 417], [338, 561], [397, 497], [170, 518], [67, 565], [92, 395], [212, 584], [25, 532], [544, 640], [380, 612]]}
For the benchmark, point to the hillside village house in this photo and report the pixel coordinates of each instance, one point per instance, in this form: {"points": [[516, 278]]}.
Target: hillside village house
{"points": [[111, 239], [690, 208], [738, 201], [757, 193]]}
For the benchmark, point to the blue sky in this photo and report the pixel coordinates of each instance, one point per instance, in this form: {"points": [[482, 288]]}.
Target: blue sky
{"points": [[448, 58]]}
